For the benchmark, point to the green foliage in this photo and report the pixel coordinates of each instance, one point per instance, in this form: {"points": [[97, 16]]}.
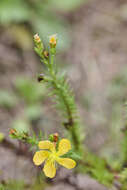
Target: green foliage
{"points": [[99, 169], [123, 178], [15, 185], [123, 174], [62, 96], [2, 187], [20, 185], [42, 17], [14, 10], [102, 174], [25, 137], [73, 155], [60, 92], [64, 100], [30, 91], [7, 100]]}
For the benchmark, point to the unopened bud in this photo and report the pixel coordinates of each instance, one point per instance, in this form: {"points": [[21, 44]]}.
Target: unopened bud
{"points": [[12, 131], [55, 137], [37, 38]]}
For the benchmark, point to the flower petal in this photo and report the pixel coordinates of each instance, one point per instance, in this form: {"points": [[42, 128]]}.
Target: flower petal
{"points": [[40, 156], [49, 169], [64, 146], [46, 145], [66, 162]]}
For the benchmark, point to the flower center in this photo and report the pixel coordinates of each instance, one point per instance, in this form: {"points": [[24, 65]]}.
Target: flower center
{"points": [[53, 156]]}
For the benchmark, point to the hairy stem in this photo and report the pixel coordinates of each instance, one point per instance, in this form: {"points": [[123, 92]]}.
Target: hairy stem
{"points": [[71, 124]]}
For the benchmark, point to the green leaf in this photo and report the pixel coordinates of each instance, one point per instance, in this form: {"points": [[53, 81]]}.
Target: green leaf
{"points": [[73, 155], [31, 91]]}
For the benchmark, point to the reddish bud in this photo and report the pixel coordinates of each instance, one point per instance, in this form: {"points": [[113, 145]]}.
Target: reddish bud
{"points": [[55, 136]]}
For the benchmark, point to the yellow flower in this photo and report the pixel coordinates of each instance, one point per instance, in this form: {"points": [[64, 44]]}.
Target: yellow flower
{"points": [[50, 155], [53, 40]]}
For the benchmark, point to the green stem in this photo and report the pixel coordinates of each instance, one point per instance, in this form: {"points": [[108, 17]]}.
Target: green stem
{"points": [[72, 123]]}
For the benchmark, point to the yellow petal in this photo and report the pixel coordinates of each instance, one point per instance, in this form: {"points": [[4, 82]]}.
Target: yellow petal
{"points": [[64, 147], [40, 156], [46, 145], [49, 169], [66, 162]]}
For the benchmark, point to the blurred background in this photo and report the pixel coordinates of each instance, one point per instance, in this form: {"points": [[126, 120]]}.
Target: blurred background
{"points": [[92, 49]]}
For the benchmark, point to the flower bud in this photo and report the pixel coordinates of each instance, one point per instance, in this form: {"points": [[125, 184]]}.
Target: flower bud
{"points": [[37, 38], [55, 137], [53, 41], [12, 132]]}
